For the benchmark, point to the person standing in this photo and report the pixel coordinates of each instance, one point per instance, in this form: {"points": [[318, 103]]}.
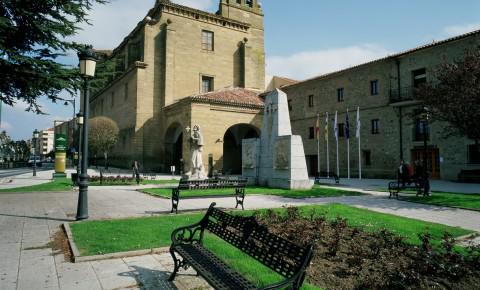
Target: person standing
{"points": [[136, 171], [402, 173]]}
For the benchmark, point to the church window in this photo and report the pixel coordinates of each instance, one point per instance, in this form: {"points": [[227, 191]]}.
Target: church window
{"points": [[340, 92], [311, 133], [290, 108], [207, 40], [207, 84], [375, 126], [474, 154], [341, 130], [310, 101], [374, 87], [419, 77]]}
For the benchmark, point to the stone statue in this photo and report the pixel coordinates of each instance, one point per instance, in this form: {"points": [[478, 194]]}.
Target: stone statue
{"points": [[197, 170]]}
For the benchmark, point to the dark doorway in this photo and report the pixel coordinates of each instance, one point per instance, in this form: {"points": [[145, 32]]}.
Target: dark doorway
{"points": [[232, 147], [174, 148], [433, 160]]}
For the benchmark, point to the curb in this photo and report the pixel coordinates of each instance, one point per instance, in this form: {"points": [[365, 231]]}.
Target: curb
{"points": [[77, 258]]}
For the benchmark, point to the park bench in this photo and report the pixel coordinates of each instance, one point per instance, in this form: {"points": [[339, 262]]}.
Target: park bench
{"points": [[237, 184], [244, 233], [327, 175], [416, 184]]}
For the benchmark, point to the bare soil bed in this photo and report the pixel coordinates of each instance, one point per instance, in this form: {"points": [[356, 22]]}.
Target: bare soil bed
{"points": [[349, 258]]}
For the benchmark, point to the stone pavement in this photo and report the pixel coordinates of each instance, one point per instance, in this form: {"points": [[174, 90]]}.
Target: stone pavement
{"points": [[26, 179], [29, 220]]}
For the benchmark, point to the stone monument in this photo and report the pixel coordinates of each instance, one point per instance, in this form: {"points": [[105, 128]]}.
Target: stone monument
{"points": [[277, 158], [197, 170]]}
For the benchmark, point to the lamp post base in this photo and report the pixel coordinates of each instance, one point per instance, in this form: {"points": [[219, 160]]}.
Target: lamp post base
{"points": [[82, 209]]}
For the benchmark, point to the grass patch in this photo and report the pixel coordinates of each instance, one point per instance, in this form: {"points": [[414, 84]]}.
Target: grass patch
{"points": [[102, 237], [316, 191], [58, 184], [110, 236], [449, 199]]}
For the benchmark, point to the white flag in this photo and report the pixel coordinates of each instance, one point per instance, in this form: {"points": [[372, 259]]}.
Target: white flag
{"points": [[335, 125], [357, 133]]}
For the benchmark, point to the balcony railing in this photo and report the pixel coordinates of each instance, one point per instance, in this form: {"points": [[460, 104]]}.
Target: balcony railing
{"points": [[402, 95]]}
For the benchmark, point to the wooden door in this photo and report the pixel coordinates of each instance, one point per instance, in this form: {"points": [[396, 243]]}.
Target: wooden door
{"points": [[433, 160]]}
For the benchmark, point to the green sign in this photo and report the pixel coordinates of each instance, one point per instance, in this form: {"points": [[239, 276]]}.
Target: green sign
{"points": [[60, 143]]}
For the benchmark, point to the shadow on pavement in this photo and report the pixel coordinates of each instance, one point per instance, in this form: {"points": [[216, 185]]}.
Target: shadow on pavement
{"points": [[39, 217], [150, 279]]}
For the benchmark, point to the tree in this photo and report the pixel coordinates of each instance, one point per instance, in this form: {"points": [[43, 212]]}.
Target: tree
{"points": [[102, 136], [32, 35], [454, 97]]}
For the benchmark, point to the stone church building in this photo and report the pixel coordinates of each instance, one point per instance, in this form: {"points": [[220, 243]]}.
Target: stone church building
{"points": [[182, 67]]}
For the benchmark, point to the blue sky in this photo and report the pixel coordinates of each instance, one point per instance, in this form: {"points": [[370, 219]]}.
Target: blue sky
{"points": [[303, 38]]}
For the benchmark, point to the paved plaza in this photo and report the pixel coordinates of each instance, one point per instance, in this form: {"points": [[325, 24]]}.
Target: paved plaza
{"points": [[28, 222]]}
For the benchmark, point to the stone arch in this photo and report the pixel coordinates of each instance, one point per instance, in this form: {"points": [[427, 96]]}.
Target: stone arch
{"points": [[232, 146], [174, 147]]}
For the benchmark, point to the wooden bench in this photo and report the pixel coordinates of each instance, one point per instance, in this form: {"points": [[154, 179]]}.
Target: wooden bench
{"points": [[417, 184], [327, 175], [237, 184], [244, 233]]}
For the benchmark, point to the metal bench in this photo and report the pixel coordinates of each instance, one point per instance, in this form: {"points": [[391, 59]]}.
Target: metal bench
{"points": [[244, 233], [327, 175], [237, 184], [420, 185]]}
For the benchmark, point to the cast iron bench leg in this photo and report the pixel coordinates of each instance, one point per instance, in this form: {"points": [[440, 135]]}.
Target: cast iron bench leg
{"points": [[175, 200]]}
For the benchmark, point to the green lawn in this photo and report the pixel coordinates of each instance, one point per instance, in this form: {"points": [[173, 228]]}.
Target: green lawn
{"points": [[102, 237], [316, 191], [58, 184], [467, 201]]}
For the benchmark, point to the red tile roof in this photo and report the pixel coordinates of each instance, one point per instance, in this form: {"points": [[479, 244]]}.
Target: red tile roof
{"points": [[231, 96]]}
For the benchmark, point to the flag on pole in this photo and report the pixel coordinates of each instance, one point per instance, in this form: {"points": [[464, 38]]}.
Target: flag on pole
{"points": [[317, 127], [335, 125], [326, 126], [347, 127], [357, 133]]}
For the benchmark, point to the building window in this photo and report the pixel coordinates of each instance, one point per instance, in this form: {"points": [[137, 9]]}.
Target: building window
{"points": [[340, 92], [367, 157], [473, 154], [419, 77], [290, 105], [341, 130], [374, 87], [420, 131], [207, 40], [311, 133], [310, 101], [126, 91], [207, 84], [375, 126], [113, 99]]}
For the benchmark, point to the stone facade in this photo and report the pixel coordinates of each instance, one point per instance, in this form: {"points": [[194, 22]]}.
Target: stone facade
{"points": [[166, 59], [392, 109]]}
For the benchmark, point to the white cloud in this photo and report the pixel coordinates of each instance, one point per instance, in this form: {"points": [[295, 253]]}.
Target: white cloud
{"points": [[455, 30], [308, 64]]}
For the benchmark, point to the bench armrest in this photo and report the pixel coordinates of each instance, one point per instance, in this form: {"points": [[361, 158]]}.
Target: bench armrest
{"points": [[188, 234]]}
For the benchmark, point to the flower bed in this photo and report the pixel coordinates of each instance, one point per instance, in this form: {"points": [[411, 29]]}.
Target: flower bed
{"points": [[113, 180], [349, 258]]}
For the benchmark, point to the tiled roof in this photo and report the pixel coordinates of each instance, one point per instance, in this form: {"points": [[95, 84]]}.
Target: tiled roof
{"points": [[393, 56], [232, 96]]}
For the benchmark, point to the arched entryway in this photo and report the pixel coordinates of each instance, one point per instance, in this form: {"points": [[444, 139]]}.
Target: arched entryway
{"points": [[232, 147], [174, 147]]}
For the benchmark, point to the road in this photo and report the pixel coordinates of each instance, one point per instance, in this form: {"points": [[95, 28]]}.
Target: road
{"points": [[18, 171]]}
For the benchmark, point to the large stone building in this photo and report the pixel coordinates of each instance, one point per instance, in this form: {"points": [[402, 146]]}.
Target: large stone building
{"points": [[391, 129], [182, 67]]}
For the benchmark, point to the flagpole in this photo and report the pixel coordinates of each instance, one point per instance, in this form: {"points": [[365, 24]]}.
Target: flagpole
{"points": [[358, 133], [326, 141], [317, 131], [348, 146], [336, 138]]}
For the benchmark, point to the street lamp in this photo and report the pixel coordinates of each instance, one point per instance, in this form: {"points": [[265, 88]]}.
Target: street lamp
{"points": [[88, 62], [35, 138], [80, 125], [425, 116]]}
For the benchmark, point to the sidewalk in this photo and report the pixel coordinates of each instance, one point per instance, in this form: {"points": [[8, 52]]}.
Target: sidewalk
{"points": [[26, 179]]}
